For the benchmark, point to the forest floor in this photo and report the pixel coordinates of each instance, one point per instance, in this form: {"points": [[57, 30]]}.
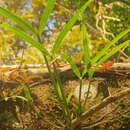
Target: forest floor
{"points": [[44, 113]]}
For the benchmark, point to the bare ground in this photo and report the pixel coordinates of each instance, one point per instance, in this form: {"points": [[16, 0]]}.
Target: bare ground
{"points": [[44, 113]]}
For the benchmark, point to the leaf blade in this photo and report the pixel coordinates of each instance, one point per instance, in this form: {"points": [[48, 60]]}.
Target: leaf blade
{"points": [[86, 49], [27, 92], [74, 67], [17, 19], [103, 51], [26, 37], [45, 15], [68, 26], [112, 52], [69, 97]]}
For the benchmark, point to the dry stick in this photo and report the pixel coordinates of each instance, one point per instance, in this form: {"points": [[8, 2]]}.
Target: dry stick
{"points": [[100, 120], [105, 121], [99, 106]]}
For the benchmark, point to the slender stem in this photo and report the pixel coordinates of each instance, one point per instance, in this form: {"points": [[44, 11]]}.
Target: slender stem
{"points": [[80, 94], [89, 86], [63, 95], [48, 67], [56, 79], [54, 82], [46, 61], [90, 76]]}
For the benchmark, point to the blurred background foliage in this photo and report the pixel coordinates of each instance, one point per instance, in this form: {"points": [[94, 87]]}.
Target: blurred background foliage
{"points": [[104, 19]]}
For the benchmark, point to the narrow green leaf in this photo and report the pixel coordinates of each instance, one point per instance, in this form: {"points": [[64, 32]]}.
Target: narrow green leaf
{"points": [[86, 41], [17, 19], [20, 97], [76, 106], [45, 15], [26, 37], [68, 26], [59, 91], [74, 67], [112, 52], [69, 96], [91, 72], [84, 71], [27, 92], [105, 49]]}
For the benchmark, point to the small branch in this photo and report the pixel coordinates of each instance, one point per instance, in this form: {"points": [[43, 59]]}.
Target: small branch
{"points": [[98, 123], [99, 106], [111, 18], [100, 120], [121, 66]]}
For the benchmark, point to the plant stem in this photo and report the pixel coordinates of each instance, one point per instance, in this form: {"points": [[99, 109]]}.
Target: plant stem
{"points": [[57, 83], [89, 86], [66, 109], [80, 94], [56, 79]]}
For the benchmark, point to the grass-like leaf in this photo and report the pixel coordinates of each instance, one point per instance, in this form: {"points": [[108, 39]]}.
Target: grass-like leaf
{"points": [[20, 97], [22, 23], [74, 67], [26, 37], [45, 15], [68, 98], [105, 49], [112, 52], [27, 92], [86, 50], [59, 91], [84, 71], [68, 26]]}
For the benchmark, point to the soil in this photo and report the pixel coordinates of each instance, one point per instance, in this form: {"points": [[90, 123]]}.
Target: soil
{"points": [[44, 113]]}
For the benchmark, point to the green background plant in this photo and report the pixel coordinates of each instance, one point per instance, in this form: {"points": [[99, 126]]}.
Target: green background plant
{"points": [[34, 37]]}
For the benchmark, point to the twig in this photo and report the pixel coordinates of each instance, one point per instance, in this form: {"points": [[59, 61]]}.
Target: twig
{"points": [[100, 120], [99, 106], [105, 121]]}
